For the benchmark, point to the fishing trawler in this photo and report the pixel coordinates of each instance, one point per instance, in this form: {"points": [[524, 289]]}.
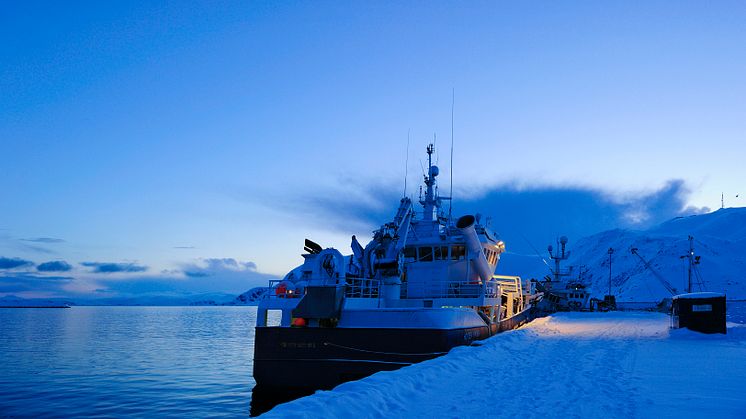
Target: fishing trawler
{"points": [[561, 293], [423, 285]]}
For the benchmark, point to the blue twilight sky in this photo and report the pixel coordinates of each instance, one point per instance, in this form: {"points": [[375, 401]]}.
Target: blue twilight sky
{"points": [[190, 147]]}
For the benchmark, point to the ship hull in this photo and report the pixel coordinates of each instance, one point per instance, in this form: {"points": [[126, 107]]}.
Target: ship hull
{"points": [[289, 359]]}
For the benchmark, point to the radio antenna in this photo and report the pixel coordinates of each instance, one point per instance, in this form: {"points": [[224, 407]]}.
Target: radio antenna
{"points": [[450, 201], [406, 165]]}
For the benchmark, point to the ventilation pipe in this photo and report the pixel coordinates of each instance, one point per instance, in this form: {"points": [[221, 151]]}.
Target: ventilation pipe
{"points": [[475, 253]]}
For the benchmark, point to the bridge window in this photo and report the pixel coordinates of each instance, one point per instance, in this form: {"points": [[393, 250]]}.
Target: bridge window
{"points": [[458, 252], [410, 252], [441, 252], [426, 254]]}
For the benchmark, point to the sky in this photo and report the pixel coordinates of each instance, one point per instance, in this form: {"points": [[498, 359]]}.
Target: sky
{"points": [[191, 147]]}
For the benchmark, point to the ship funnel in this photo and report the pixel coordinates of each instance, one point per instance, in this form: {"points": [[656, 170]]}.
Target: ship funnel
{"points": [[476, 254]]}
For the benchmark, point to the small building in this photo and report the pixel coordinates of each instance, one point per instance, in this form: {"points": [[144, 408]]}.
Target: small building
{"points": [[699, 311]]}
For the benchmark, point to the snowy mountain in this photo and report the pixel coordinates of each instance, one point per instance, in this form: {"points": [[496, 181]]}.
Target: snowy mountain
{"points": [[719, 238], [250, 297]]}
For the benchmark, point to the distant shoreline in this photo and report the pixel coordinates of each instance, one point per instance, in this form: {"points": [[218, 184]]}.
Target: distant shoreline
{"points": [[34, 306]]}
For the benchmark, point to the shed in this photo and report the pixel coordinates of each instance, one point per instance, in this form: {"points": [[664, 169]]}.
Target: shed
{"points": [[699, 311]]}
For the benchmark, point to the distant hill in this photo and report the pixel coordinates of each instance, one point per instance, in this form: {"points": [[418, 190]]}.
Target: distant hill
{"points": [[250, 297], [720, 239]]}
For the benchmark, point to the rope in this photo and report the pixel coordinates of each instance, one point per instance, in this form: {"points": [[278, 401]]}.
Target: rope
{"points": [[382, 353]]}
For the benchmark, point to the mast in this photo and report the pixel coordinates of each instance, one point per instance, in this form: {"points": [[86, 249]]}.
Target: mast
{"points": [[430, 203], [690, 256]]}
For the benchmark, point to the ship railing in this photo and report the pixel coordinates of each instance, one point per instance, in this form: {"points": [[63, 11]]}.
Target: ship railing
{"points": [[276, 290], [450, 289], [362, 288]]}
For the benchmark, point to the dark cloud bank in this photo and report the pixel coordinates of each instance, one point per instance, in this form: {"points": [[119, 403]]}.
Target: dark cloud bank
{"points": [[110, 267], [13, 263], [54, 266]]}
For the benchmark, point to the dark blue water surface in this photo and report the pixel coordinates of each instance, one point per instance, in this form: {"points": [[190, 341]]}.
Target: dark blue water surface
{"points": [[126, 361], [134, 361]]}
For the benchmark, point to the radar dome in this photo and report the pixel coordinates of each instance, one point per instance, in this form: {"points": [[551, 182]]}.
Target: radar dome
{"points": [[434, 171]]}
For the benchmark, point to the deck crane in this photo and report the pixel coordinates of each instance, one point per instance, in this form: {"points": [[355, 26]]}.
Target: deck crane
{"points": [[658, 276]]}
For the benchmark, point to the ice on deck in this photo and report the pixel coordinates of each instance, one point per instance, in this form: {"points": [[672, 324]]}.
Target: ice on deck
{"points": [[571, 365]]}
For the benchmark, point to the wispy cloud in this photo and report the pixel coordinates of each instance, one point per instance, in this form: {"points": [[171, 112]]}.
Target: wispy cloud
{"points": [[109, 267], [54, 266], [184, 247], [13, 263], [203, 275], [46, 240], [34, 248]]}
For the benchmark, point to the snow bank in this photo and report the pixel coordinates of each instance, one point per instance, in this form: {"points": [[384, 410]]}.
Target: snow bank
{"points": [[571, 365]]}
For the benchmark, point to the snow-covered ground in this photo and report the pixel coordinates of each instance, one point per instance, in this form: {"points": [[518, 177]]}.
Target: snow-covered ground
{"points": [[619, 364]]}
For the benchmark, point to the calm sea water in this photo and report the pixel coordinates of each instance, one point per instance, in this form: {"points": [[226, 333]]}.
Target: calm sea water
{"points": [[126, 361], [134, 361]]}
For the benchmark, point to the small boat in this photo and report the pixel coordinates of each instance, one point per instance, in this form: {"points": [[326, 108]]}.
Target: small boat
{"points": [[423, 285]]}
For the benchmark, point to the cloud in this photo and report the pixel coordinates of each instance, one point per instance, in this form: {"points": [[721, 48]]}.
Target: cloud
{"points": [[184, 247], [13, 263], [26, 282], [108, 267], [54, 266], [584, 209], [47, 240], [205, 275], [210, 266], [34, 248]]}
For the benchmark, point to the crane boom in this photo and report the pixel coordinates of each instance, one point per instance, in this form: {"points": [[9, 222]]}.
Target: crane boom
{"points": [[658, 276]]}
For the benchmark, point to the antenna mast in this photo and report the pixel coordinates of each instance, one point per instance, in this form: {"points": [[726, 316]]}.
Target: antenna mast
{"points": [[450, 202], [406, 165]]}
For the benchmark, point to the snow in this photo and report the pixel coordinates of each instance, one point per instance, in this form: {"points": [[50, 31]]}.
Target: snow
{"points": [[617, 364], [695, 295]]}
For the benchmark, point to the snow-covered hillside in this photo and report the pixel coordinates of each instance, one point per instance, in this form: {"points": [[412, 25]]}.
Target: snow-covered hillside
{"points": [[720, 239]]}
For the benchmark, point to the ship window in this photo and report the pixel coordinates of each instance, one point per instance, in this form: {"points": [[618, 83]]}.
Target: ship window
{"points": [[441, 252], [426, 254], [410, 252], [458, 252]]}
